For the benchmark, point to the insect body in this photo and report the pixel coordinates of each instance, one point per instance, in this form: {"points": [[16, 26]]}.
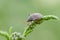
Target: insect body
{"points": [[34, 16]]}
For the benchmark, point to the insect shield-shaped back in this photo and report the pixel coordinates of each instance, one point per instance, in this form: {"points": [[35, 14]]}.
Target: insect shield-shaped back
{"points": [[34, 17]]}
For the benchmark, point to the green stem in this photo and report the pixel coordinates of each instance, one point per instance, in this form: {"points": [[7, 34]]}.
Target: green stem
{"points": [[30, 28]]}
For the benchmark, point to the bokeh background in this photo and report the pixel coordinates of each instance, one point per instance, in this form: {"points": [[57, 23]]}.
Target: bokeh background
{"points": [[15, 12]]}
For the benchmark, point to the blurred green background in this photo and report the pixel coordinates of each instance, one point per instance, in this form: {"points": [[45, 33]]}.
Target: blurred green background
{"points": [[15, 12]]}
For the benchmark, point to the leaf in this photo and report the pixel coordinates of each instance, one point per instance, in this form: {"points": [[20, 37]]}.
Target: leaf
{"points": [[5, 34]]}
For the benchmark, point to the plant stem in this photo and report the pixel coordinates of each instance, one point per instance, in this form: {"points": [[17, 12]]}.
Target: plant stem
{"points": [[33, 24]]}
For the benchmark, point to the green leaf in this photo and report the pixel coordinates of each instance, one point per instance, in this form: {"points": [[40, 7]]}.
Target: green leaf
{"points": [[5, 34], [10, 30]]}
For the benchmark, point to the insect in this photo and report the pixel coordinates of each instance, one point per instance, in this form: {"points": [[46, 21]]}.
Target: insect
{"points": [[34, 16]]}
